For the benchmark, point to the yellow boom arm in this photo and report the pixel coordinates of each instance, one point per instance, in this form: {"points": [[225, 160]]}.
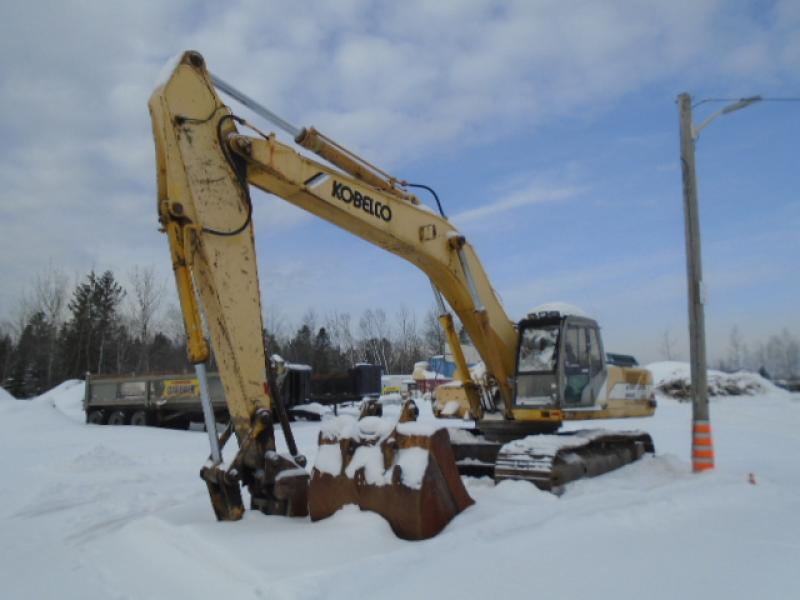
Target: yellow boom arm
{"points": [[200, 191]]}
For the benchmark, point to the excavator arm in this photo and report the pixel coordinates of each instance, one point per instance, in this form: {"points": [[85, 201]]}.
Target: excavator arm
{"points": [[204, 208]]}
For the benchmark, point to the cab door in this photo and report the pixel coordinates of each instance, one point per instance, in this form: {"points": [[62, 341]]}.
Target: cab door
{"points": [[584, 368]]}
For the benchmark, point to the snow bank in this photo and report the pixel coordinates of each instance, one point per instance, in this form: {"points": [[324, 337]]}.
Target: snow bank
{"points": [[119, 512], [311, 408], [674, 379], [4, 395], [67, 397]]}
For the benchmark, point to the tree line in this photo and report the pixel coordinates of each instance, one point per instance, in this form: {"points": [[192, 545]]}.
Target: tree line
{"points": [[337, 342], [778, 356], [102, 325]]}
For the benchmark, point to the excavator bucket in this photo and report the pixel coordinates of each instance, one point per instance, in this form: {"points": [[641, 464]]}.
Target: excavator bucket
{"points": [[405, 472]]}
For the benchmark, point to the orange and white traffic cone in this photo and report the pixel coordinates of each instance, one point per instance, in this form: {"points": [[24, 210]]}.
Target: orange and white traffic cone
{"points": [[702, 446]]}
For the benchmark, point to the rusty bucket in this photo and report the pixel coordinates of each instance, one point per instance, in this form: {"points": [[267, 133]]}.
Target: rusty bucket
{"points": [[405, 472]]}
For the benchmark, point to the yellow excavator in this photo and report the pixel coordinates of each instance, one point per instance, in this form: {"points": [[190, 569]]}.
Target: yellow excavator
{"points": [[539, 372]]}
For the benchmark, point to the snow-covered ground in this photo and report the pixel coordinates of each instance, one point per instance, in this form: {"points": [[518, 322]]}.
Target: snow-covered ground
{"points": [[120, 512]]}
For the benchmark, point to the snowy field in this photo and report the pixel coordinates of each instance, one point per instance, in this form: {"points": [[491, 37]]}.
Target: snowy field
{"points": [[99, 512]]}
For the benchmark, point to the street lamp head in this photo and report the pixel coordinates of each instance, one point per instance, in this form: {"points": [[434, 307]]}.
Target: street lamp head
{"points": [[743, 103], [738, 105]]}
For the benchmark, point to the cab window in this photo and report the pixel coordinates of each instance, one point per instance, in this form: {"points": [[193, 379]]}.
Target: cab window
{"points": [[537, 350], [595, 358], [582, 361]]}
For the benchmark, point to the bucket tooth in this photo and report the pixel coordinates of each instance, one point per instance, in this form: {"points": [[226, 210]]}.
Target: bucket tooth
{"points": [[406, 473]]}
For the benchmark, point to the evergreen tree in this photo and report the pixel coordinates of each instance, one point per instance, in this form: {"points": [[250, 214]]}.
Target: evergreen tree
{"points": [[300, 348], [30, 364], [107, 295], [75, 342], [322, 352], [6, 348], [90, 336], [165, 356]]}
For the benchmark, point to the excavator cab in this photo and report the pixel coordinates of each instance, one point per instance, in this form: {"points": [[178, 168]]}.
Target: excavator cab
{"points": [[559, 362]]}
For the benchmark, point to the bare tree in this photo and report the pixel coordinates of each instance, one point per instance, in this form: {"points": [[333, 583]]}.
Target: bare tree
{"points": [[781, 355], [310, 320], [792, 354], [375, 335], [757, 358], [433, 335], [736, 350], [340, 330], [667, 346], [276, 325], [774, 355], [148, 291], [172, 324], [19, 316], [50, 294], [407, 344]]}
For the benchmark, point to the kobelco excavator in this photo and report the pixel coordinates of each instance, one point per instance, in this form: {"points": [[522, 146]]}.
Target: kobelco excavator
{"points": [[545, 369]]}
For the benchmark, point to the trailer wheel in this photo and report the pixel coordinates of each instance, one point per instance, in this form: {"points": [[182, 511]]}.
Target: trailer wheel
{"points": [[118, 417], [96, 417], [140, 418]]}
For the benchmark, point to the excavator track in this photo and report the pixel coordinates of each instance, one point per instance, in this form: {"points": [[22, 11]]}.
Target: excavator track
{"points": [[548, 461]]}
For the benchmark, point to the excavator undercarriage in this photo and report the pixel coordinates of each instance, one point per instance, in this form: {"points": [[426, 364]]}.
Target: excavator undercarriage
{"points": [[549, 461]]}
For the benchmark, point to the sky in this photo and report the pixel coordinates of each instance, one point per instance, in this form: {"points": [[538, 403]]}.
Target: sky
{"points": [[549, 129]]}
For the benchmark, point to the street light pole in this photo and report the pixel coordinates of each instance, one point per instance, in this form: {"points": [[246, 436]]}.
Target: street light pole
{"points": [[702, 443]]}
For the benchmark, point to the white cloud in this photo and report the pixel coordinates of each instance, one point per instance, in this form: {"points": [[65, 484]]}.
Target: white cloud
{"points": [[533, 193], [397, 81]]}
